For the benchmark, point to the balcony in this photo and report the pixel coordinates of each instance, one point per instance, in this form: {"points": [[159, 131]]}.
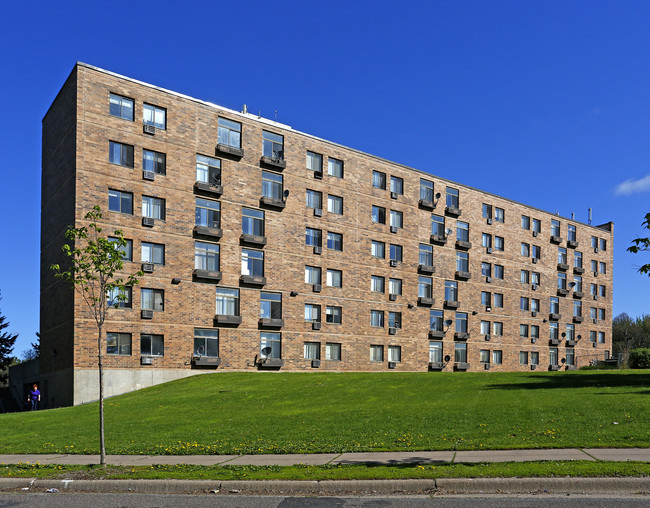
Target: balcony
{"points": [[452, 304], [227, 319], [270, 202], [556, 239], [461, 366], [578, 319], [463, 245], [554, 316], [562, 267], [270, 363], [206, 361], [425, 301], [438, 239], [252, 280], [426, 204], [572, 244], [436, 365], [461, 335], [436, 334], [452, 211], [206, 188], [273, 162], [224, 149], [553, 367], [426, 269], [206, 276], [207, 231], [463, 275], [578, 294], [253, 239], [570, 343], [562, 291], [271, 323], [578, 270], [554, 342]]}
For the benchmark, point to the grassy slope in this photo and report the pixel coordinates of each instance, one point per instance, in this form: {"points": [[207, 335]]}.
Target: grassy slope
{"points": [[327, 412]]}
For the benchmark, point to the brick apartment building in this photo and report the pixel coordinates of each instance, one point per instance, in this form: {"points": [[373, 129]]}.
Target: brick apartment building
{"points": [[265, 248]]}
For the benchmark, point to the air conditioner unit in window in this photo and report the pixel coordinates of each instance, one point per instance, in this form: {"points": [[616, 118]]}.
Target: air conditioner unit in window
{"points": [[316, 288], [148, 221], [596, 250], [146, 360], [394, 195], [487, 337], [146, 314], [533, 313], [594, 344], [489, 221], [318, 175], [533, 367], [489, 250], [595, 321], [535, 260], [148, 175], [315, 325], [595, 274], [488, 279], [533, 340], [391, 365], [393, 229], [149, 129], [392, 297], [147, 267], [318, 249], [534, 287], [392, 331], [486, 366], [535, 233], [318, 212], [393, 263], [595, 297], [315, 364]]}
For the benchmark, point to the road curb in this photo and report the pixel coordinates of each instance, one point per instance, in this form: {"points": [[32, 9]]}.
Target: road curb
{"points": [[634, 485]]}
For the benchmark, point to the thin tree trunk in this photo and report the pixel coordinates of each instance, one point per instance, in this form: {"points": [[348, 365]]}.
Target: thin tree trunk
{"points": [[102, 445]]}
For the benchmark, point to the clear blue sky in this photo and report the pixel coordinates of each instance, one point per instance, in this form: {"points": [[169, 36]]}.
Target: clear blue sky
{"points": [[546, 103]]}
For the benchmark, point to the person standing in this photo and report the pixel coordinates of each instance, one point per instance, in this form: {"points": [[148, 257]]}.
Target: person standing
{"points": [[34, 397]]}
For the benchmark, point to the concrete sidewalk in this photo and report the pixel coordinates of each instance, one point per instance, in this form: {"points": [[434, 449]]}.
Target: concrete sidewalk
{"points": [[317, 459]]}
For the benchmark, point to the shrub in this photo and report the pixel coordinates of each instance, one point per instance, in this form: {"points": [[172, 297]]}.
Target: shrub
{"points": [[640, 358]]}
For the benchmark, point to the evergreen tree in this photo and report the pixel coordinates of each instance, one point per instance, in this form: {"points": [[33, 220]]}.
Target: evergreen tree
{"points": [[7, 342]]}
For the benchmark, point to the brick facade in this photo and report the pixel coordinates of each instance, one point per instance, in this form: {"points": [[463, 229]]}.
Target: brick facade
{"points": [[77, 172]]}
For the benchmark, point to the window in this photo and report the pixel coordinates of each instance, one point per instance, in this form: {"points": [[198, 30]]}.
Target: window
{"points": [[119, 299], [577, 259], [377, 318], [435, 351], [334, 241], [451, 291], [153, 208], [499, 214], [313, 237], [333, 314], [534, 331], [525, 222], [332, 351], [312, 350], [486, 298], [379, 180], [524, 277], [523, 357], [335, 204], [425, 287], [156, 162], [535, 278], [497, 329], [121, 154], [534, 304], [438, 226], [603, 244], [570, 332], [555, 227], [577, 283], [593, 313], [376, 353], [378, 214], [208, 170], [524, 303], [561, 255], [523, 331], [152, 253], [603, 291], [534, 358], [312, 275], [426, 255], [314, 199], [315, 162], [335, 167], [498, 271], [426, 190], [206, 342], [252, 262], [561, 281], [436, 321], [396, 185], [271, 305], [497, 299], [525, 249], [272, 145], [537, 226], [485, 328], [396, 219], [571, 233], [498, 243], [554, 305], [460, 352], [462, 231], [334, 278], [462, 262], [601, 337], [312, 313], [487, 211], [118, 344], [594, 289], [208, 213], [395, 286], [602, 267], [570, 357], [227, 302], [486, 240], [497, 357], [594, 242], [452, 198], [552, 356], [252, 222], [537, 252], [461, 322], [553, 331], [601, 314], [395, 320], [378, 249], [395, 252], [206, 256], [229, 133], [119, 201], [395, 354], [121, 107], [152, 345], [152, 299], [126, 249], [484, 356], [486, 269], [270, 344], [377, 284], [154, 115], [592, 336], [272, 185]]}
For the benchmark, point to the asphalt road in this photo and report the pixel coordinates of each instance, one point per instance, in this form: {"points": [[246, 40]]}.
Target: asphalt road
{"points": [[60, 500]]}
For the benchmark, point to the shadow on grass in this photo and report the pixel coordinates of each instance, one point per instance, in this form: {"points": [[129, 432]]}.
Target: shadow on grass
{"points": [[580, 380]]}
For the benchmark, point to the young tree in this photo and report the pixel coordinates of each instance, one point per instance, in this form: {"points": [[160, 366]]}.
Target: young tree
{"points": [[7, 342], [642, 244], [92, 264]]}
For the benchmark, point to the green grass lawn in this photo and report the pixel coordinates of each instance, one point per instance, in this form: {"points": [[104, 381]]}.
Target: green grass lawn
{"points": [[233, 413]]}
